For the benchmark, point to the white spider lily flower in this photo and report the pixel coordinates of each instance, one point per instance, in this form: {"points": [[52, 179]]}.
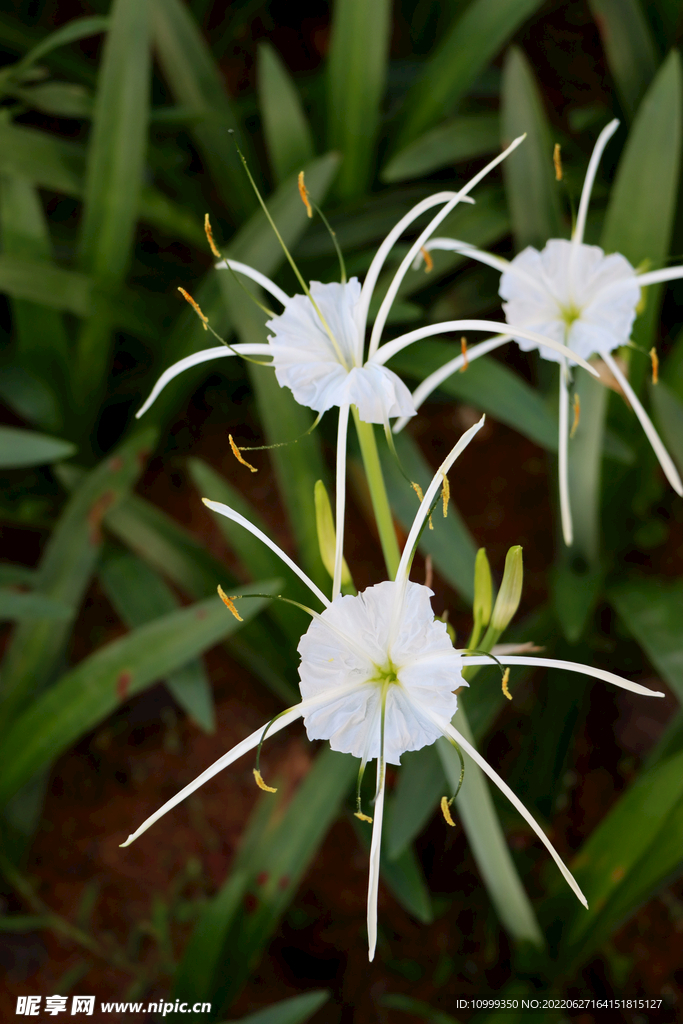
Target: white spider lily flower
{"points": [[378, 677], [317, 344], [578, 295]]}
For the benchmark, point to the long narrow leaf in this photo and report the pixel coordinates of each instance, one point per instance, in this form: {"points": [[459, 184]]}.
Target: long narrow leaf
{"points": [[288, 135], [651, 609], [290, 1011], [629, 47], [20, 447], [84, 697], [529, 179], [463, 138], [356, 70]]}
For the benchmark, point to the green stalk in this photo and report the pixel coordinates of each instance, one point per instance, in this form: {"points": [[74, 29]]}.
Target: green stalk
{"points": [[378, 494]]}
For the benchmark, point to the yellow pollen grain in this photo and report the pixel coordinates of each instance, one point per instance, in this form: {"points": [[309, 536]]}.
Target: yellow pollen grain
{"points": [[577, 414], [261, 784], [303, 192], [209, 237], [504, 685], [463, 349], [195, 306], [362, 817], [654, 359], [557, 160], [445, 494], [446, 811], [238, 455], [420, 494], [228, 602], [429, 262]]}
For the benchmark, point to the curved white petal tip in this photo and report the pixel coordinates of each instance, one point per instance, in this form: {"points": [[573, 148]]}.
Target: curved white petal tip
{"points": [[128, 841]]}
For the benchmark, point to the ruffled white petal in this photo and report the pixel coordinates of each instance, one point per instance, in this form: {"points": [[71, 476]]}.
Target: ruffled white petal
{"points": [[590, 307], [354, 642]]}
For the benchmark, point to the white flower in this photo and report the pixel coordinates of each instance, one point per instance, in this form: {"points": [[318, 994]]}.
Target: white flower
{"points": [[377, 677], [317, 343], [577, 295]]}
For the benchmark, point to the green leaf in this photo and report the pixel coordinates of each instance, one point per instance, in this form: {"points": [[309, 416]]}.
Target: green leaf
{"points": [[20, 447], [197, 83], [651, 609], [85, 695], [114, 171], [629, 48], [175, 553], [584, 463], [475, 807], [529, 177], [356, 71], [404, 877], [669, 410], [449, 543], [419, 789], [69, 559], [463, 138], [642, 205], [20, 606], [289, 1011], [620, 865], [12, 574], [416, 1008], [54, 163], [575, 595], [277, 865], [289, 141], [139, 595], [46, 284], [41, 341], [487, 385], [77, 28], [473, 40]]}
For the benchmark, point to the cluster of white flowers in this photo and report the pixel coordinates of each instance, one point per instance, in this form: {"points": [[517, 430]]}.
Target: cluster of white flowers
{"points": [[379, 675]]}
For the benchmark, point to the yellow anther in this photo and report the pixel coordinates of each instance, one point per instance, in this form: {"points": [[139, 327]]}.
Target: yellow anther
{"points": [[446, 811], [261, 784], [362, 817], [238, 455], [228, 602], [506, 676], [209, 237], [195, 306], [445, 494], [463, 349], [655, 365], [429, 262], [557, 160], [577, 414], [418, 490], [303, 192]]}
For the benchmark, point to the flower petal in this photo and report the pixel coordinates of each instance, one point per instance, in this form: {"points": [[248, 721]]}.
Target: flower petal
{"points": [[570, 666]]}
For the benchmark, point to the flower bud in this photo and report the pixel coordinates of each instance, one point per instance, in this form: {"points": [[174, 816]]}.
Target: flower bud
{"points": [[510, 591], [327, 536], [483, 589]]}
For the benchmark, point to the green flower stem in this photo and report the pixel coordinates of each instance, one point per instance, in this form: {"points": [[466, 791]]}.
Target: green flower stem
{"points": [[378, 494]]}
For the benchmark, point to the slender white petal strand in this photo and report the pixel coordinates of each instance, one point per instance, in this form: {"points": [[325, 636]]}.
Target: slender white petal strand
{"points": [[449, 730], [250, 743], [257, 276], [432, 382], [375, 850], [569, 666], [229, 513], [205, 356], [407, 260], [489, 259], [665, 460], [340, 498], [599, 148], [563, 443], [657, 276], [425, 504], [392, 347], [389, 242]]}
